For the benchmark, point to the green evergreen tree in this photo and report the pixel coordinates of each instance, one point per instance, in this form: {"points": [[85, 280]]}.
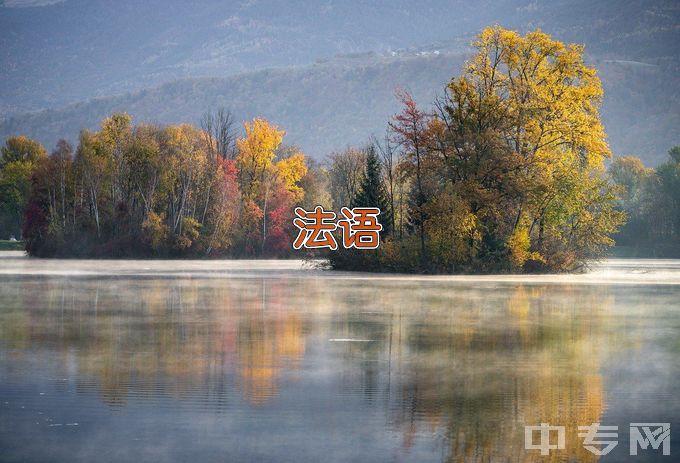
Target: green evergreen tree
{"points": [[372, 192]]}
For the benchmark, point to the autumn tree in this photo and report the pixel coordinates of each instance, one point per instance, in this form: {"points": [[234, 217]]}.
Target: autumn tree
{"points": [[50, 213], [389, 162], [21, 149], [506, 173], [187, 161], [268, 172], [520, 131], [256, 153], [345, 171], [61, 166], [635, 181], [668, 204], [223, 210], [409, 128], [282, 193], [129, 191], [316, 185], [651, 199], [18, 158]]}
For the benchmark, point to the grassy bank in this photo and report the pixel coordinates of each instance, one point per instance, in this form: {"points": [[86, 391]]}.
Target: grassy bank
{"points": [[7, 245]]}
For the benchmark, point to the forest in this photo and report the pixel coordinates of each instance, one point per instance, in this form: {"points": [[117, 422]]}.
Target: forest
{"points": [[509, 170]]}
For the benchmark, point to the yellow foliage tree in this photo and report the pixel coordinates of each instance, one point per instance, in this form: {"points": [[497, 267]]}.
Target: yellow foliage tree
{"points": [[256, 153], [519, 136], [291, 170], [262, 176]]}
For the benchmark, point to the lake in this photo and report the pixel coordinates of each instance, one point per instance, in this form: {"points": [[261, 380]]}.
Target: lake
{"points": [[280, 361]]}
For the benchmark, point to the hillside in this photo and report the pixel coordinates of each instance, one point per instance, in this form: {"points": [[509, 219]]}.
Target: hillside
{"points": [[58, 52], [325, 107]]}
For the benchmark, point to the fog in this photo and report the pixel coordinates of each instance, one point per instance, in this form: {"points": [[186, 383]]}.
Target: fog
{"points": [[281, 361]]}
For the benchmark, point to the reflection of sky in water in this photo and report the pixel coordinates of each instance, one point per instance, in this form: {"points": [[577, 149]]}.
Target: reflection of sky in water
{"points": [[176, 362]]}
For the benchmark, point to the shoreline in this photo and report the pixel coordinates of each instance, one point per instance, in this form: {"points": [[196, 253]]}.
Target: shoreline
{"points": [[609, 271]]}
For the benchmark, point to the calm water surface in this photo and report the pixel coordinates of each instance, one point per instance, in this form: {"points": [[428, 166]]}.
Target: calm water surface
{"points": [[274, 361]]}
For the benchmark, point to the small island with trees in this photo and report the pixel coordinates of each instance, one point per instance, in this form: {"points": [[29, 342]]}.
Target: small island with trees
{"points": [[508, 171]]}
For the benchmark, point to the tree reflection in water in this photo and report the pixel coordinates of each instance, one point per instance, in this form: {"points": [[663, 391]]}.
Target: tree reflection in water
{"points": [[467, 365]]}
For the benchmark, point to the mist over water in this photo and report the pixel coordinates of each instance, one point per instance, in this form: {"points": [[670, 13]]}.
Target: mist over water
{"points": [[279, 361]]}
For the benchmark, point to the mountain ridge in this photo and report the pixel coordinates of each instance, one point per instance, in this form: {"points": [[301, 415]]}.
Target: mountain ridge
{"points": [[327, 106], [74, 50]]}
